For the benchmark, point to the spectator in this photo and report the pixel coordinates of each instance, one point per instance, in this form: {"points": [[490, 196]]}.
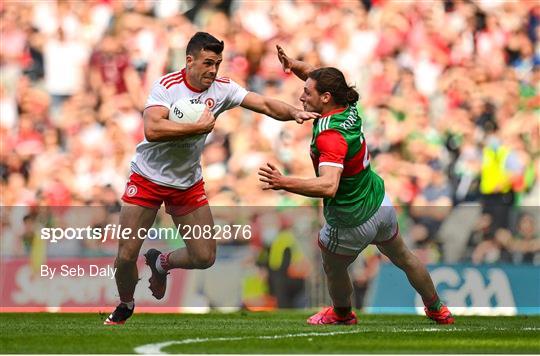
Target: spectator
{"points": [[111, 72], [491, 250], [524, 244], [433, 204], [527, 241], [287, 267], [65, 63], [500, 171]]}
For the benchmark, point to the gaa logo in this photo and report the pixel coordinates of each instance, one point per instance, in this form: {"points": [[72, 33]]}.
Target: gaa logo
{"points": [[210, 103], [131, 190]]}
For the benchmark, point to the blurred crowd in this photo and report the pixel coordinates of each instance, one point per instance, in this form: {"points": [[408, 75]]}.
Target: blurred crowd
{"points": [[450, 97]]}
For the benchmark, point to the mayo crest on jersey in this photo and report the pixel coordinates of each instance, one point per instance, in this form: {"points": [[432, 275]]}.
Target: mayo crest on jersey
{"points": [[177, 163]]}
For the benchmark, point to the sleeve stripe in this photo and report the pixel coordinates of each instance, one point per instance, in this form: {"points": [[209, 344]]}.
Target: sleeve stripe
{"points": [[333, 164], [174, 82], [324, 123], [151, 105], [170, 76]]}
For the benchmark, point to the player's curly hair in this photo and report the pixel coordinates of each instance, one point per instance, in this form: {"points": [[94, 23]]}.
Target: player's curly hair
{"points": [[204, 41], [332, 80]]}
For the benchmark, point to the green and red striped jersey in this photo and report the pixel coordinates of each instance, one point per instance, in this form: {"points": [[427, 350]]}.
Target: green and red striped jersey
{"points": [[338, 141]]}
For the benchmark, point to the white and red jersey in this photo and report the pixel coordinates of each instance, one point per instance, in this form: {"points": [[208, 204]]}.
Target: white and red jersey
{"points": [[177, 163]]}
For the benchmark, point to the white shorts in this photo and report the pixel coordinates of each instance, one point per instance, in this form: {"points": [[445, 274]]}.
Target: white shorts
{"points": [[381, 228]]}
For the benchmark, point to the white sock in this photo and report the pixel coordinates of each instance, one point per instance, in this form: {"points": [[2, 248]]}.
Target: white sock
{"points": [[159, 267], [130, 305]]}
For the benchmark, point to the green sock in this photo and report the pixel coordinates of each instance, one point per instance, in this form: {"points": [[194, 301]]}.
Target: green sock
{"points": [[342, 311], [436, 305], [433, 303]]}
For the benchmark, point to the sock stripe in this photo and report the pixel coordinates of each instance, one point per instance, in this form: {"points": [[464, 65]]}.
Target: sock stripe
{"points": [[430, 301], [164, 261]]}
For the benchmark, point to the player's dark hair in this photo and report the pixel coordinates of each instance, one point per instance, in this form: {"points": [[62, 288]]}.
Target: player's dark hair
{"points": [[332, 80], [204, 41]]}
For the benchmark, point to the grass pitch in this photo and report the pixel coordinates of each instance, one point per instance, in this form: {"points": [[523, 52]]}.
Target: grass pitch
{"points": [[260, 333]]}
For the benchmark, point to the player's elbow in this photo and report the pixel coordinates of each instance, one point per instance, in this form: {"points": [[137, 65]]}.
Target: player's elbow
{"points": [[330, 191], [329, 194], [151, 134]]}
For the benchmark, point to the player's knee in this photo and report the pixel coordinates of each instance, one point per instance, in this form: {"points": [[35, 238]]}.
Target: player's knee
{"points": [[204, 260], [332, 268], [126, 256]]}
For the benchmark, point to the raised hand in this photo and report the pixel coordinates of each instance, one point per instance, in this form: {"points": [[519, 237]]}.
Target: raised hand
{"points": [[270, 175], [286, 62]]}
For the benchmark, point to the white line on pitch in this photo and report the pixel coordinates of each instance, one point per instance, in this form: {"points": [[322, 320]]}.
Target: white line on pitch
{"points": [[155, 349]]}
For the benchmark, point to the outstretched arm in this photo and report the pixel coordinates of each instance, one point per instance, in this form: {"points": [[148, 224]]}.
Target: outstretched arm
{"points": [[275, 108], [299, 68], [323, 186]]}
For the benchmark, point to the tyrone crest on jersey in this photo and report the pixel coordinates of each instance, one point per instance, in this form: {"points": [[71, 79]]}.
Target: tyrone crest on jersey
{"points": [[210, 103]]}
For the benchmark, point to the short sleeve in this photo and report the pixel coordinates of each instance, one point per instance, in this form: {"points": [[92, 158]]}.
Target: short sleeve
{"points": [[235, 94], [158, 96], [332, 148]]}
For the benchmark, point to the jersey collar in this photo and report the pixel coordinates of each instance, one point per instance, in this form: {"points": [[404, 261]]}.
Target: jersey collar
{"points": [[332, 112], [193, 89]]}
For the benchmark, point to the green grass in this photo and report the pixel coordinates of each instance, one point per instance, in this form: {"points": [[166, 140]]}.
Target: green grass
{"points": [[254, 333]]}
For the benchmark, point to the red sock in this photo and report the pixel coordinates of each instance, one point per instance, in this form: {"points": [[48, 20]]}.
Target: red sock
{"points": [[162, 263]]}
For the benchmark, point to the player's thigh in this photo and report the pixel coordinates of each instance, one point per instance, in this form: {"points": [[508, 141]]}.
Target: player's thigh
{"points": [[333, 262], [395, 249], [385, 220], [138, 220], [197, 229], [182, 202]]}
